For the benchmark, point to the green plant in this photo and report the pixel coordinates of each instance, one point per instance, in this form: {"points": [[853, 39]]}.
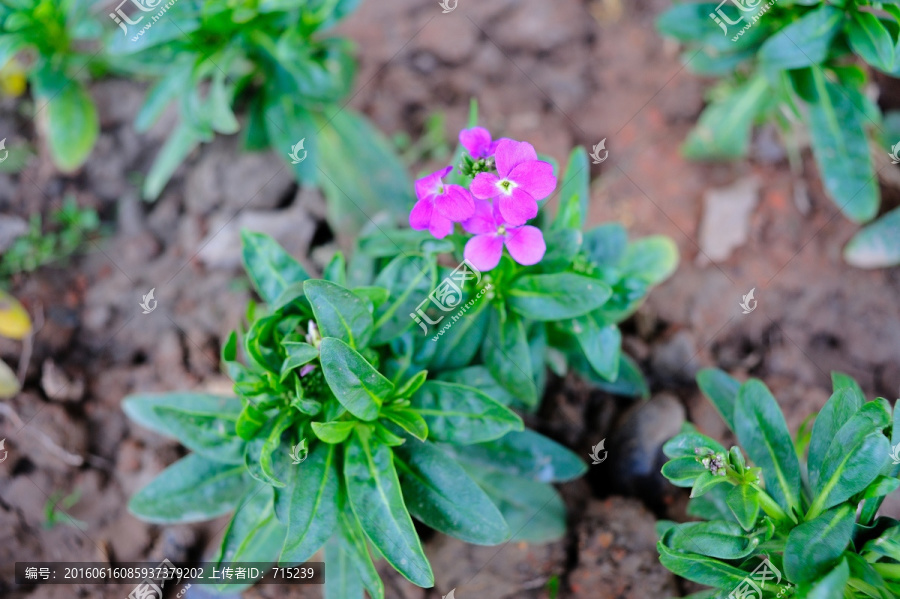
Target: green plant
{"points": [[796, 63], [54, 514], [335, 439], [14, 324], [55, 41], [70, 228], [561, 312], [814, 519], [269, 58]]}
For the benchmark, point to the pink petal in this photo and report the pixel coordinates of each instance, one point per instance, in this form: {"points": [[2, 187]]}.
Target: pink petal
{"points": [[482, 220], [476, 140], [420, 217], [511, 153], [440, 226], [484, 186], [484, 251], [517, 207], [536, 177], [457, 203], [526, 245], [430, 185]]}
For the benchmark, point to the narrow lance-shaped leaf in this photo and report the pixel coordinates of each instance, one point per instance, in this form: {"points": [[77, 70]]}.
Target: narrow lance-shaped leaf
{"points": [[357, 384], [722, 391], [461, 414], [271, 269], [374, 493], [339, 313], [814, 547], [836, 412], [763, 433], [506, 354]]}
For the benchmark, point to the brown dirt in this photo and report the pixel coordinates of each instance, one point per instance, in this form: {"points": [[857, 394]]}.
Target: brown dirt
{"points": [[556, 74]]}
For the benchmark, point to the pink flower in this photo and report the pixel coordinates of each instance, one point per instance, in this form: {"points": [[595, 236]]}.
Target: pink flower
{"points": [[440, 205], [525, 244], [522, 181], [477, 141]]}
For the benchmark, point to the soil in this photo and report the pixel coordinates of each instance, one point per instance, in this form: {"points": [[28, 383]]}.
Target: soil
{"points": [[556, 74]]}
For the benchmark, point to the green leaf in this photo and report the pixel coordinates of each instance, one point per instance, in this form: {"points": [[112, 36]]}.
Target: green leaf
{"points": [[575, 193], [877, 245], [409, 279], [743, 500], [438, 492], [374, 493], [722, 391], [298, 354], [841, 149], [606, 244], [461, 414], [412, 385], [836, 412], [259, 455], [804, 42], [343, 580], [854, 458], [409, 420], [629, 381], [355, 383], [288, 122], [705, 570], [525, 454], [814, 547], [271, 269], [249, 422], [601, 344], [650, 259], [831, 586], [457, 346], [69, 117], [308, 504], [723, 131], [562, 247], [192, 489], [209, 433], [141, 407], [336, 269], [353, 541], [9, 382], [685, 444], [506, 354], [684, 471], [179, 144], [480, 378], [763, 433], [333, 432], [556, 296], [254, 534], [870, 39], [360, 173], [339, 312], [534, 511], [686, 22], [719, 539], [706, 482]]}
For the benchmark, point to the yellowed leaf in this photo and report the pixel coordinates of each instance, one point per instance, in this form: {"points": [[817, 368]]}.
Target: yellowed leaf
{"points": [[14, 320], [9, 384]]}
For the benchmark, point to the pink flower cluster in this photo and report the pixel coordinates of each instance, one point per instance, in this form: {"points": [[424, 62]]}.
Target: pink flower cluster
{"points": [[496, 205]]}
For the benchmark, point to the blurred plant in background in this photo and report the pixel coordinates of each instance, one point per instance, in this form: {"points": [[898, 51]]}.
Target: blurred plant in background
{"points": [[14, 324], [55, 45], [799, 64], [69, 228]]}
